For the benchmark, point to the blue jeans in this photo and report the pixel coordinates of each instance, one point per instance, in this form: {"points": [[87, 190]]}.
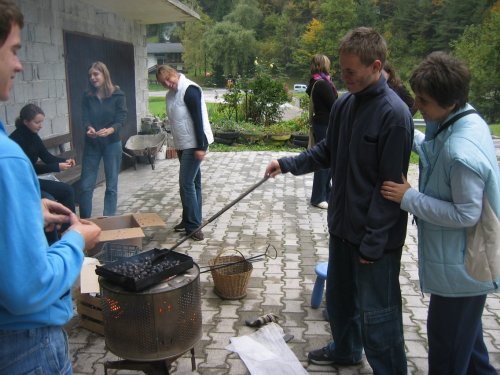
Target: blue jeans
{"points": [[60, 191], [34, 351], [365, 309], [321, 179], [111, 155], [190, 189], [455, 333]]}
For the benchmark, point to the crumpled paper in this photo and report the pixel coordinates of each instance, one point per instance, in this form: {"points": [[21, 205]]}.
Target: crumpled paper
{"points": [[266, 352]]}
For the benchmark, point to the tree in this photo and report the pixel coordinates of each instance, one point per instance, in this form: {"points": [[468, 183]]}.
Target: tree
{"points": [[194, 56], [311, 43], [217, 9], [279, 40], [453, 16], [323, 34], [246, 14], [338, 16], [231, 47], [479, 46]]}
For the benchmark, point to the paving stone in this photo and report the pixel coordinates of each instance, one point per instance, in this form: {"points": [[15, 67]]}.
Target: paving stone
{"points": [[279, 213]]}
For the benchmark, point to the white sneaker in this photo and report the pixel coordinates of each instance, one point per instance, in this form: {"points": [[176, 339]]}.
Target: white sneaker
{"points": [[323, 205]]}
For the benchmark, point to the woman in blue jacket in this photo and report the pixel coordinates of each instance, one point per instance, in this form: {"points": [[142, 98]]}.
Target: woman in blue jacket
{"points": [[458, 210], [104, 112]]}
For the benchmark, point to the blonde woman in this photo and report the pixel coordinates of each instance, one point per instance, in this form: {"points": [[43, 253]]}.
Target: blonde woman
{"points": [[188, 116], [104, 112]]}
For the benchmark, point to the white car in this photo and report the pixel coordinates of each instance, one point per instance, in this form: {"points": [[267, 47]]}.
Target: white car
{"points": [[299, 87]]}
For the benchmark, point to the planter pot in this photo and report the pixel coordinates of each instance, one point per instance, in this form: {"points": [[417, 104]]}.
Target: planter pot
{"points": [[227, 134], [248, 137], [224, 141], [300, 143], [280, 137], [300, 137]]}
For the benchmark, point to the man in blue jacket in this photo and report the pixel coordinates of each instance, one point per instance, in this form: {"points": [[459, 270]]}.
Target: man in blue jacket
{"points": [[35, 279], [369, 137]]}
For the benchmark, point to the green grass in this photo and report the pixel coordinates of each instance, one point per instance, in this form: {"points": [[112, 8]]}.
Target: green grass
{"points": [[155, 86], [217, 147], [495, 129], [157, 106]]}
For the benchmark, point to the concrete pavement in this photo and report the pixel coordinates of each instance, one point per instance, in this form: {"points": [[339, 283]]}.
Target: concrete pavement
{"points": [[278, 213]]}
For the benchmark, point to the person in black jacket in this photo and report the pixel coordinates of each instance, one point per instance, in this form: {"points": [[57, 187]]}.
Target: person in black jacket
{"points": [[369, 138], [104, 112], [398, 86], [322, 93], [28, 124]]}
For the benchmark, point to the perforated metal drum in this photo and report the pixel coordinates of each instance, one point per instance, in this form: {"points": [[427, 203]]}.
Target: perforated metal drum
{"points": [[162, 322]]}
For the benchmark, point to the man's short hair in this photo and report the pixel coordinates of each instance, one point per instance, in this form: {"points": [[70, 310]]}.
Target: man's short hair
{"points": [[10, 14], [366, 43], [444, 78]]}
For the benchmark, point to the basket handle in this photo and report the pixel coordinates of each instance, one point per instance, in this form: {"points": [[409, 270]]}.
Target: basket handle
{"points": [[222, 252]]}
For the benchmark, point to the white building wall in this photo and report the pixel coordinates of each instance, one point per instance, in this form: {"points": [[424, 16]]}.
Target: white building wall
{"points": [[43, 80]]}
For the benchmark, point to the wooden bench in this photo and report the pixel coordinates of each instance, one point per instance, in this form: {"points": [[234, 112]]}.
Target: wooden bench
{"points": [[56, 146]]}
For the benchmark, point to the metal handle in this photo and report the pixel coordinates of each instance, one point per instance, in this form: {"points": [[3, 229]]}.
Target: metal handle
{"points": [[221, 211], [249, 260]]}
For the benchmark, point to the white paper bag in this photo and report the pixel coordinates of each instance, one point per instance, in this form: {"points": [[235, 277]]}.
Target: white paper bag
{"points": [[266, 352]]}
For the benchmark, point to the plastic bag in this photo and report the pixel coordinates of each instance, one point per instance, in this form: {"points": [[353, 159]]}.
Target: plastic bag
{"points": [[266, 352]]}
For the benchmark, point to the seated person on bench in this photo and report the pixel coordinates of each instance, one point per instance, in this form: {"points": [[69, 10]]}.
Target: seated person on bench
{"points": [[28, 124]]}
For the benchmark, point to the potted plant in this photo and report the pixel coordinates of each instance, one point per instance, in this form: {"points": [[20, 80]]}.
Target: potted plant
{"points": [[251, 133], [300, 135], [280, 131], [225, 131]]}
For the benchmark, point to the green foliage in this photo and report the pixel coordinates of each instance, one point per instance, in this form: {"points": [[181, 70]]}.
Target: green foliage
{"points": [[232, 101], [267, 94], [495, 130], [217, 147], [247, 14], [283, 31], [230, 46], [280, 128], [157, 106], [479, 46], [194, 50], [225, 125]]}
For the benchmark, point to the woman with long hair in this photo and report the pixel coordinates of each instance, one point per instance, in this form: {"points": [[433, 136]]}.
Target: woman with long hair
{"points": [[104, 112]]}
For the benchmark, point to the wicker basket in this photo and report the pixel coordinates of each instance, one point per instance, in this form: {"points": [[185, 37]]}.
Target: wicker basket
{"points": [[231, 274]]}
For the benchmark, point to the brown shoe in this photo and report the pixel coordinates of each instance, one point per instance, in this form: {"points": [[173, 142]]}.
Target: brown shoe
{"points": [[198, 236]]}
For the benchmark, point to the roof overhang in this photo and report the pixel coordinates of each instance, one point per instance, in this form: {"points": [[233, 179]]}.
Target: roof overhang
{"points": [[148, 12]]}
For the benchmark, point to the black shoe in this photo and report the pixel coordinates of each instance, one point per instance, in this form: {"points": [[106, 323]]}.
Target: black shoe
{"points": [[179, 227], [323, 357], [198, 236]]}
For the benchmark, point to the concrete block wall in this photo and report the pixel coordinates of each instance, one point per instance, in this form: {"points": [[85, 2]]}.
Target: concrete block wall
{"points": [[43, 80]]}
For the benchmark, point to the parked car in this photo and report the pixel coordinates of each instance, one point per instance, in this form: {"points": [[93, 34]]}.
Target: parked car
{"points": [[299, 87]]}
